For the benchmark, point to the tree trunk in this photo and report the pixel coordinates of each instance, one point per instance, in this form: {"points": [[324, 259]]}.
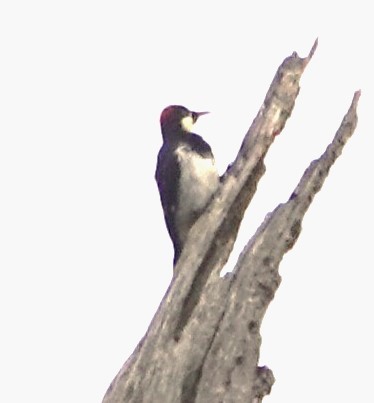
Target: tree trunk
{"points": [[203, 343]]}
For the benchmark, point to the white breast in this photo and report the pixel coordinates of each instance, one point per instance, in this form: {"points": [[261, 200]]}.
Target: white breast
{"points": [[198, 182]]}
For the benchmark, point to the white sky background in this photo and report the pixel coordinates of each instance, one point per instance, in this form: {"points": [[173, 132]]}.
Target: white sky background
{"points": [[85, 258]]}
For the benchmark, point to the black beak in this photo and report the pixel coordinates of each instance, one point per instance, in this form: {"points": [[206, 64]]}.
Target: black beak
{"points": [[196, 115]]}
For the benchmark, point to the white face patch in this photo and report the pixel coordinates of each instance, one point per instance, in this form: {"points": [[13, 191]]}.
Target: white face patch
{"points": [[187, 123]]}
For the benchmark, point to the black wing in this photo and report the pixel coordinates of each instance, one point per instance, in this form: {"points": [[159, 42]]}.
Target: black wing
{"points": [[167, 178]]}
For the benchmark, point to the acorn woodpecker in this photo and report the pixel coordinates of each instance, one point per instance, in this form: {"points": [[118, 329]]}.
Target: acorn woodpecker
{"points": [[186, 174]]}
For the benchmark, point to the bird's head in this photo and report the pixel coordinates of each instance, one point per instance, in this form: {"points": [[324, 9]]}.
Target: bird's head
{"points": [[177, 118]]}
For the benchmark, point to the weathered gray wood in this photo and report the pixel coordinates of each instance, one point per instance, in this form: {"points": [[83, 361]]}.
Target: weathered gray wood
{"points": [[203, 343], [230, 366]]}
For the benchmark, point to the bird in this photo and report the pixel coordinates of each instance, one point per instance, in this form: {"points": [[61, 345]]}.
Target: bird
{"points": [[186, 173]]}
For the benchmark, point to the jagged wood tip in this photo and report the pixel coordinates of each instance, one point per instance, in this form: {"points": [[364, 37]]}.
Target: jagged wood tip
{"points": [[311, 53]]}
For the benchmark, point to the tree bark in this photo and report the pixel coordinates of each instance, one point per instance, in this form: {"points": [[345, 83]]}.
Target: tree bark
{"points": [[203, 343]]}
